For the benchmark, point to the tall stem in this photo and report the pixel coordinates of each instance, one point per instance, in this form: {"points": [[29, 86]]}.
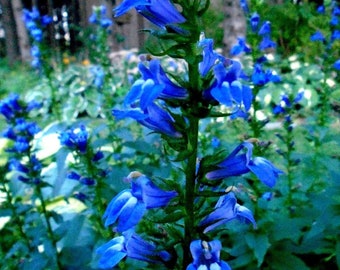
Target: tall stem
{"points": [[190, 176], [190, 170], [48, 224]]}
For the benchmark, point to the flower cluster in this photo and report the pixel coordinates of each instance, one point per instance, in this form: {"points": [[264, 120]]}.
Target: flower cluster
{"points": [[35, 24], [20, 132], [172, 105], [334, 26], [87, 170], [99, 17], [145, 101], [124, 212]]}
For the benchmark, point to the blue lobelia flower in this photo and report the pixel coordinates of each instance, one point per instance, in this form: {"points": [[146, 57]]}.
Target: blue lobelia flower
{"points": [[226, 88], [240, 47], [210, 57], [321, 9], [336, 65], [129, 206], [335, 35], [153, 84], [160, 12], [262, 77], [75, 139], [129, 245], [254, 21], [206, 255], [317, 36], [98, 76], [99, 17], [244, 6], [238, 164], [153, 117], [227, 209], [287, 103], [266, 43], [10, 107]]}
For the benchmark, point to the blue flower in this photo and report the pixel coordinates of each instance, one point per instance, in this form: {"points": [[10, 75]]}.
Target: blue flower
{"points": [[75, 139], [21, 145], [153, 117], [15, 165], [129, 206], [321, 9], [10, 107], [337, 64], [206, 255], [254, 21], [227, 209], [335, 35], [317, 36], [265, 29], [209, 56], [240, 47], [99, 17], [266, 43], [244, 6], [160, 12], [226, 88], [129, 245], [238, 164], [286, 102], [153, 84], [262, 77], [267, 196], [99, 76]]}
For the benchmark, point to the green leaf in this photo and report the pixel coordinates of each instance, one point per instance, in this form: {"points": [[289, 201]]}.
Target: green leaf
{"points": [[285, 260], [75, 256], [259, 244]]}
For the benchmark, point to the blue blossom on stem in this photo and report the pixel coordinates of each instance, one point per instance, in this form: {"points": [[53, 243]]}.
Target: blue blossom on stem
{"points": [[244, 6], [254, 21], [317, 36], [99, 76], [262, 77], [238, 164], [227, 209], [160, 12], [10, 107], [321, 9], [227, 89], [337, 64], [210, 57], [286, 103], [206, 255], [129, 245], [153, 117], [129, 206], [153, 84], [240, 47], [99, 17], [75, 139]]}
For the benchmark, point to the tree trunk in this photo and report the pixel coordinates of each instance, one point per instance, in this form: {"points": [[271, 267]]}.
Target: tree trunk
{"points": [[23, 40], [234, 24], [11, 37]]}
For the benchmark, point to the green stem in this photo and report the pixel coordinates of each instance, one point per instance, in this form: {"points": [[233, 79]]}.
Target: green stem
{"points": [[16, 218], [48, 224], [190, 176]]}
